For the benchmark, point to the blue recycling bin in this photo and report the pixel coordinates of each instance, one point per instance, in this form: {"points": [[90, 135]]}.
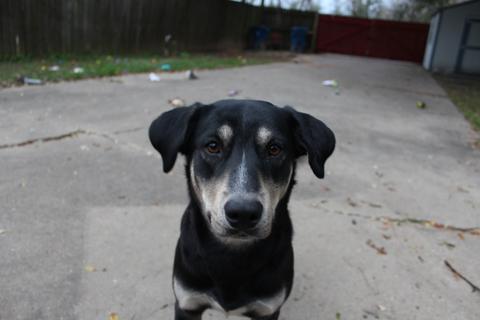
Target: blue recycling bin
{"points": [[259, 36], [298, 39]]}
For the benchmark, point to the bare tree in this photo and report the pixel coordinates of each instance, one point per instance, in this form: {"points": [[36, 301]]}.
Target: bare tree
{"points": [[338, 10], [365, 8], [308, 5], [417, 10]]}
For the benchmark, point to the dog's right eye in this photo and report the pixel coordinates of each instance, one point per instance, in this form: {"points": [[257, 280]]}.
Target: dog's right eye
{"points": [[213, 147]]}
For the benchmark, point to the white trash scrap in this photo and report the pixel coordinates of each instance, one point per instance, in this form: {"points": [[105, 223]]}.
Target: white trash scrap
{"points": [[330, 83], [153, 77], [177, 102], [78, 70], [31, 81], [191, 75]]}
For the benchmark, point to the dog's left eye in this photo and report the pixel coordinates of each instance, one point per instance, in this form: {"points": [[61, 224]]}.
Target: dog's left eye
{"points": [[274, 150], [213, 147]]}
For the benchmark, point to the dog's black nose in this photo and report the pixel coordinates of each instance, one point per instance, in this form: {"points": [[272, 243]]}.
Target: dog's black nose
{"points": [[243, 214]]}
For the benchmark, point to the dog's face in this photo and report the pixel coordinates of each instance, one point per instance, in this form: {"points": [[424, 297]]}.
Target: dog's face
{"points": [[240, 159], [241, 164]]}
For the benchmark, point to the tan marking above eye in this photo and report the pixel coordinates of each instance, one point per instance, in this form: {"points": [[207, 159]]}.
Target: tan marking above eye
{"points": [[263, 135], [225, 132]]}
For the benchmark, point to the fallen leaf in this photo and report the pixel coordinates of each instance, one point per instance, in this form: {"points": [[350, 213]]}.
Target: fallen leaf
{"points": [[90, 268], [371, 313], [379, 174], [428, 224], [113, 316], [421, 105], [460, 235], [448, 245], [177, 102], [352, 203], [475, 232], [380, 250], [374, 205], [460, 189], [439, 225], [338, 316]]}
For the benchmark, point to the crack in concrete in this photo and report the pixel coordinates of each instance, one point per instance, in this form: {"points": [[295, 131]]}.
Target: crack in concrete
{"points": [[421, 222], [128, 130], [373, 290], [428, 224], [77, 133], [67, 135]]}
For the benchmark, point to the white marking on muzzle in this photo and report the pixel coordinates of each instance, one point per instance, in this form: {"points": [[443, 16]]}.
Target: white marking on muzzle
{"points": [[214, 194], [272, 193], [242, 176], [211, 195]]}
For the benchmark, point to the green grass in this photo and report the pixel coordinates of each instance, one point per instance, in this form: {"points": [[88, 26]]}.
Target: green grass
{"points": [[107, 65], [464, 91]]}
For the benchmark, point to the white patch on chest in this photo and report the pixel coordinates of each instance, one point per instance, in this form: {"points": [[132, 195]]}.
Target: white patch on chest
{"points": [[191, 300]]}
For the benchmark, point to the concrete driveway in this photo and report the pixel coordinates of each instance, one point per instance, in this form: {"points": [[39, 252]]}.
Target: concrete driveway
{"points": [[88, 221]]}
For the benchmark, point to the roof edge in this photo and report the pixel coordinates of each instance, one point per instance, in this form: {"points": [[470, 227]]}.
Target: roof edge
{"points": [[454, 6]]}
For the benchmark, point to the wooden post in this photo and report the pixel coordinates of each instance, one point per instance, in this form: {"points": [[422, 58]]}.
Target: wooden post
{"points": [[313, 45]]}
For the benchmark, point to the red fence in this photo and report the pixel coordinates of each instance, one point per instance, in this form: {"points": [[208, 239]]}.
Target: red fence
{"points": [[372, 38]]}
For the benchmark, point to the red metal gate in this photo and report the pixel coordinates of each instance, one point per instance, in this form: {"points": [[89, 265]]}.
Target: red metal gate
{"points": [[371, 37]]}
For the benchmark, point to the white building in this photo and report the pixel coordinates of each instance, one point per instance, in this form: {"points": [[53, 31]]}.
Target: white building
{"points": [[453, 43]]}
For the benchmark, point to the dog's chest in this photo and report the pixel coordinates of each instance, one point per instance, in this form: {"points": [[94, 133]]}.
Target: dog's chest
{"points": [[192, 300]]}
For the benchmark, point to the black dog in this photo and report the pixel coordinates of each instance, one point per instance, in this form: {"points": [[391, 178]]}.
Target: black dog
{"points": [[235, 253]]}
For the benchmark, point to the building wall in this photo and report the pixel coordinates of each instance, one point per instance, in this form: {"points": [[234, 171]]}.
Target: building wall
{"points": [[432, 34], [471, 59], [449, 38]]}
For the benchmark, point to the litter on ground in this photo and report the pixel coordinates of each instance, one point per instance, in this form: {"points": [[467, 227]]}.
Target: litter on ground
{"points": [[177, 102], [330, 83], [421, 105], [166, 67], [31, 81], [153, 77], [191, 75], [233, 93], [78, 70]]}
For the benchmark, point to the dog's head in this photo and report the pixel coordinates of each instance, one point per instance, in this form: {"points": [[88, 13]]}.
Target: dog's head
{"points": [[240, 159]]}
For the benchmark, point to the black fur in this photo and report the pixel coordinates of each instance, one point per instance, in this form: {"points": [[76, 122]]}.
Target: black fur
{"points": [[235, 276]]}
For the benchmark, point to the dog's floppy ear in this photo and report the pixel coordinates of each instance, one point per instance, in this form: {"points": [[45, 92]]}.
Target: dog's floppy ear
{"points": [[314, 138], [169, 131]]}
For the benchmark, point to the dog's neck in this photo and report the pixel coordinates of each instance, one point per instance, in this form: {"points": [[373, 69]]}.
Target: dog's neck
{"points": [[224, 260]]}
